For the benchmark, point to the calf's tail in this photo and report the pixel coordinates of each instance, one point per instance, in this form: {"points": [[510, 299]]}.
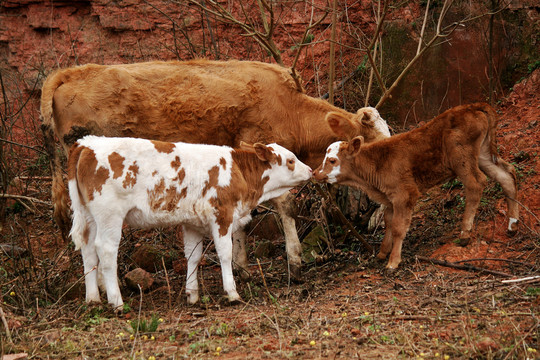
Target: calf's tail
{"points": [[491, 135], [79, 229], [59, 193]]}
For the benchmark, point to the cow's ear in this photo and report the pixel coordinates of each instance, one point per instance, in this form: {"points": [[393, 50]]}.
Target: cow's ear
{"points": [[366, 116], [247, 147], [355, 144], [264, 152], [340, 125]]}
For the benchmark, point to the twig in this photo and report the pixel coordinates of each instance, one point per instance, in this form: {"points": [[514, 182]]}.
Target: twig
{"points": [[462, 267], [264, 282], [497, 259], [168, 284], [342, 217], [8, 333], [22, 197], [528, 278], [24, 146], [75, 283]]}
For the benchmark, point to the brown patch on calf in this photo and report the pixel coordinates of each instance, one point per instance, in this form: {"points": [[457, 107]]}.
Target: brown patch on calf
{"points": [[165, 199], [175, 164], [213, 177], [117, 164], [89, 177], [223, 163], [155, 198], [131, 176], [163, 147], [291, 164]]}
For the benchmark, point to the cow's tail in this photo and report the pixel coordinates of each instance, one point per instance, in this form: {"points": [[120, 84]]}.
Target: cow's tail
{"points": [[59, 193], [491, 135]]}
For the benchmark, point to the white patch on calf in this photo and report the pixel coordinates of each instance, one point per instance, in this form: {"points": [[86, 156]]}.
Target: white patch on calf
{"points": [[281, 179], [511, 222], [332, 152]]}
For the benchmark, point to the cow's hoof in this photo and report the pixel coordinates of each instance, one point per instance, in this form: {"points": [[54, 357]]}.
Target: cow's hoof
{"points": [[296, 273], [243, 274]]}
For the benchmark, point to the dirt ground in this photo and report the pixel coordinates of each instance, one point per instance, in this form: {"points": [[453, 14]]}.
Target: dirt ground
{"points": [[346, 307]]}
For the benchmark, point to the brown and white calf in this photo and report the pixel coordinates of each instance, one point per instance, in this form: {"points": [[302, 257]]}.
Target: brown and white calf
{"points": [[209, 190], [396, 171]]}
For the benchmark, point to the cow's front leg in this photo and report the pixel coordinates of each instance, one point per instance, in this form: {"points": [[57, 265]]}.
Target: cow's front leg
{"points": [[193, 247], [240, 260], [293, 246], [223, 244]]}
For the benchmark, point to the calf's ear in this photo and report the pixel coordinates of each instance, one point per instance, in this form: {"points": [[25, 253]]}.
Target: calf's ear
{"points": [[355, 144], [246, 147], [340, 125], [264, 152], [365, 116]]}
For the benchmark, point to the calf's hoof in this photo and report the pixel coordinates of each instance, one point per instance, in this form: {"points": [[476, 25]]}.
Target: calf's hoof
{"points": [[513, 227], [464, 241], [192, 297]]}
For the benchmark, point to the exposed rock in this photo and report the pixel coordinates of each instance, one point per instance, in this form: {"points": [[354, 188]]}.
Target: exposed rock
{"points": [[487, 344], [149, 257], [137, 277]]}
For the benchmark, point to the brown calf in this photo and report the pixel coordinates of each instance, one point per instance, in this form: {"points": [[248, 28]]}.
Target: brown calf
{"points": [[396, 171]]}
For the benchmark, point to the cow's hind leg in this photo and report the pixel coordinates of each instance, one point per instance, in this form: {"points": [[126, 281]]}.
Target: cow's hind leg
{"points": [[193, 248], [294, 248], [505, 174], [240, 260]]}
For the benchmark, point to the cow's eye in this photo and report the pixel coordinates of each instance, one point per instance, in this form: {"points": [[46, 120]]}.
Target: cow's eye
{"points": [[290, 162], [332, 161]]}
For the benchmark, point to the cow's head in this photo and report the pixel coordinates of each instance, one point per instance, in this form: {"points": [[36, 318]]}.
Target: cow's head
{"points": [[285, 171], [337, 162], [367, 122]]}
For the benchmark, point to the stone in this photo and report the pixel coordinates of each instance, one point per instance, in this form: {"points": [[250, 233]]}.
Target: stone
{"points": [[137, 277]]}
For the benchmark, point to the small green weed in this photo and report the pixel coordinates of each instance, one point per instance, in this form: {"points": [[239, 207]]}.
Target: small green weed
{"points": [[144, 326]]}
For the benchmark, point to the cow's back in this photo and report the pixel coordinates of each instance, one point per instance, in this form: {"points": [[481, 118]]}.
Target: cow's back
{"points": [[196, 101]]}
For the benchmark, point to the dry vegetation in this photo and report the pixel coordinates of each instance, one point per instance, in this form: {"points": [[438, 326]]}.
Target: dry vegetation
{"points": [[347, 307]]}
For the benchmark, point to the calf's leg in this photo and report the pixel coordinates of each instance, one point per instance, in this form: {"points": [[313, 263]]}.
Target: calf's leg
{"points": [[386, 245], [474, 182], [91, 263], [223, 244], [193, 247], [400, 223], [109, 232], [505, 175]]}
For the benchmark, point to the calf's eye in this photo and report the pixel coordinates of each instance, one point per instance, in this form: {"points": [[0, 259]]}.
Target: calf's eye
{"points": [[332, 161]]}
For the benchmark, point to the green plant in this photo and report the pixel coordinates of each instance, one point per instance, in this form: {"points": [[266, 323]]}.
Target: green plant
{"points": [[144, 326], [533, 66]]}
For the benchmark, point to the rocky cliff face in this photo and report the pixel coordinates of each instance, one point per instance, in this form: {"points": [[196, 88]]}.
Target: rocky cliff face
{"points": [[38, 36]]}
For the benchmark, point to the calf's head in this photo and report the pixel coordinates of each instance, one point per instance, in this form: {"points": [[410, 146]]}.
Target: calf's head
{"points": [[285, 171], [338, 160]]}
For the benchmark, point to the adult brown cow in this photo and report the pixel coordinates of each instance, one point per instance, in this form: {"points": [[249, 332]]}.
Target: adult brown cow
{"points": [[199, 101]]}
